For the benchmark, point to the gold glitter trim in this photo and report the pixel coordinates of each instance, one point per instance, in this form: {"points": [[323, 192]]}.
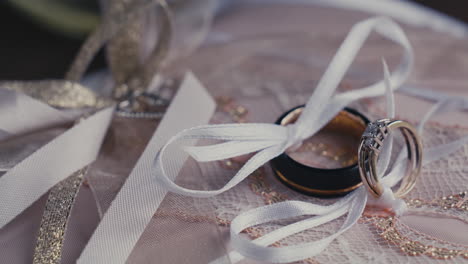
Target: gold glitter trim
{"points": [[58, 93], [70, 94], [104, 32], [123, 50], [55, 218], [140, 77]]}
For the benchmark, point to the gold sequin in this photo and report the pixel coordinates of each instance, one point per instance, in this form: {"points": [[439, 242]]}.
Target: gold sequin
{"points": [[413, 248], [458, 201]]}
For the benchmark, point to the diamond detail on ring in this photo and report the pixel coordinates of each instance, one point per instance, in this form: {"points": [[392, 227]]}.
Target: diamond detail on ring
{"points": [[375, 134]]}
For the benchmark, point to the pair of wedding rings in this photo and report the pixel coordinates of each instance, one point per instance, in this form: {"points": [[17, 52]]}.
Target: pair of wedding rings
{"points": [[340, 181]]}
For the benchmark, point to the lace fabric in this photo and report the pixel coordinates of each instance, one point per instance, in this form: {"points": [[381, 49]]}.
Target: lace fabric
{"points": [[264, 75], [256, 77]]}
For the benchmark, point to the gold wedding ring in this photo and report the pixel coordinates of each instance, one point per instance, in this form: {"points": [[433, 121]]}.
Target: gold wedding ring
{"points": [[371, 144], [322, 182]]}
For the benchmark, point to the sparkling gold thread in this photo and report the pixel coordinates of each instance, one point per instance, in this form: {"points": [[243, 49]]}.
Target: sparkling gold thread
{"points": [[458, 201], [389, 231]]}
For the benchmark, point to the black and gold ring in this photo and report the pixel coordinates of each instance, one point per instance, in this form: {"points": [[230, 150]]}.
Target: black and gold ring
{"points": [[319, 181]]}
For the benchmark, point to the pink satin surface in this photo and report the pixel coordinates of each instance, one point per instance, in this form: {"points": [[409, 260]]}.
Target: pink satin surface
{"points": [[268, 70]]}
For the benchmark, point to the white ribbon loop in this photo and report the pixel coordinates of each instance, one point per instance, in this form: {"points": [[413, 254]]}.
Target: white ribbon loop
{"points": [[271, 140], [352, 204], [446, 104], [319, 108], [242, 139]]}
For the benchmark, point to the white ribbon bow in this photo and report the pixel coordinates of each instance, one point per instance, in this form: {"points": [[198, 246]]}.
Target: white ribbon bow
{"points": [[32, 177], [353, 204], [270, 140]]}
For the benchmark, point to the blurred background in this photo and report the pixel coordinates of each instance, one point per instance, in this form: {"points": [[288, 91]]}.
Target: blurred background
{"points": [[40, 38]]}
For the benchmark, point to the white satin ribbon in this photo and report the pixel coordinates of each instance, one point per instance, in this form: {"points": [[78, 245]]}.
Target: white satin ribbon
{"points": [[272, 140], [353, 204], [21, 113], [77, 147], [139, 198]]}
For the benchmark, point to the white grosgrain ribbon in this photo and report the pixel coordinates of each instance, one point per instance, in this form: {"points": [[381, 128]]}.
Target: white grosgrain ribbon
{"points": [[31, 178], [353, 204], [270, 140], [140, 197], [21, 113]]}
